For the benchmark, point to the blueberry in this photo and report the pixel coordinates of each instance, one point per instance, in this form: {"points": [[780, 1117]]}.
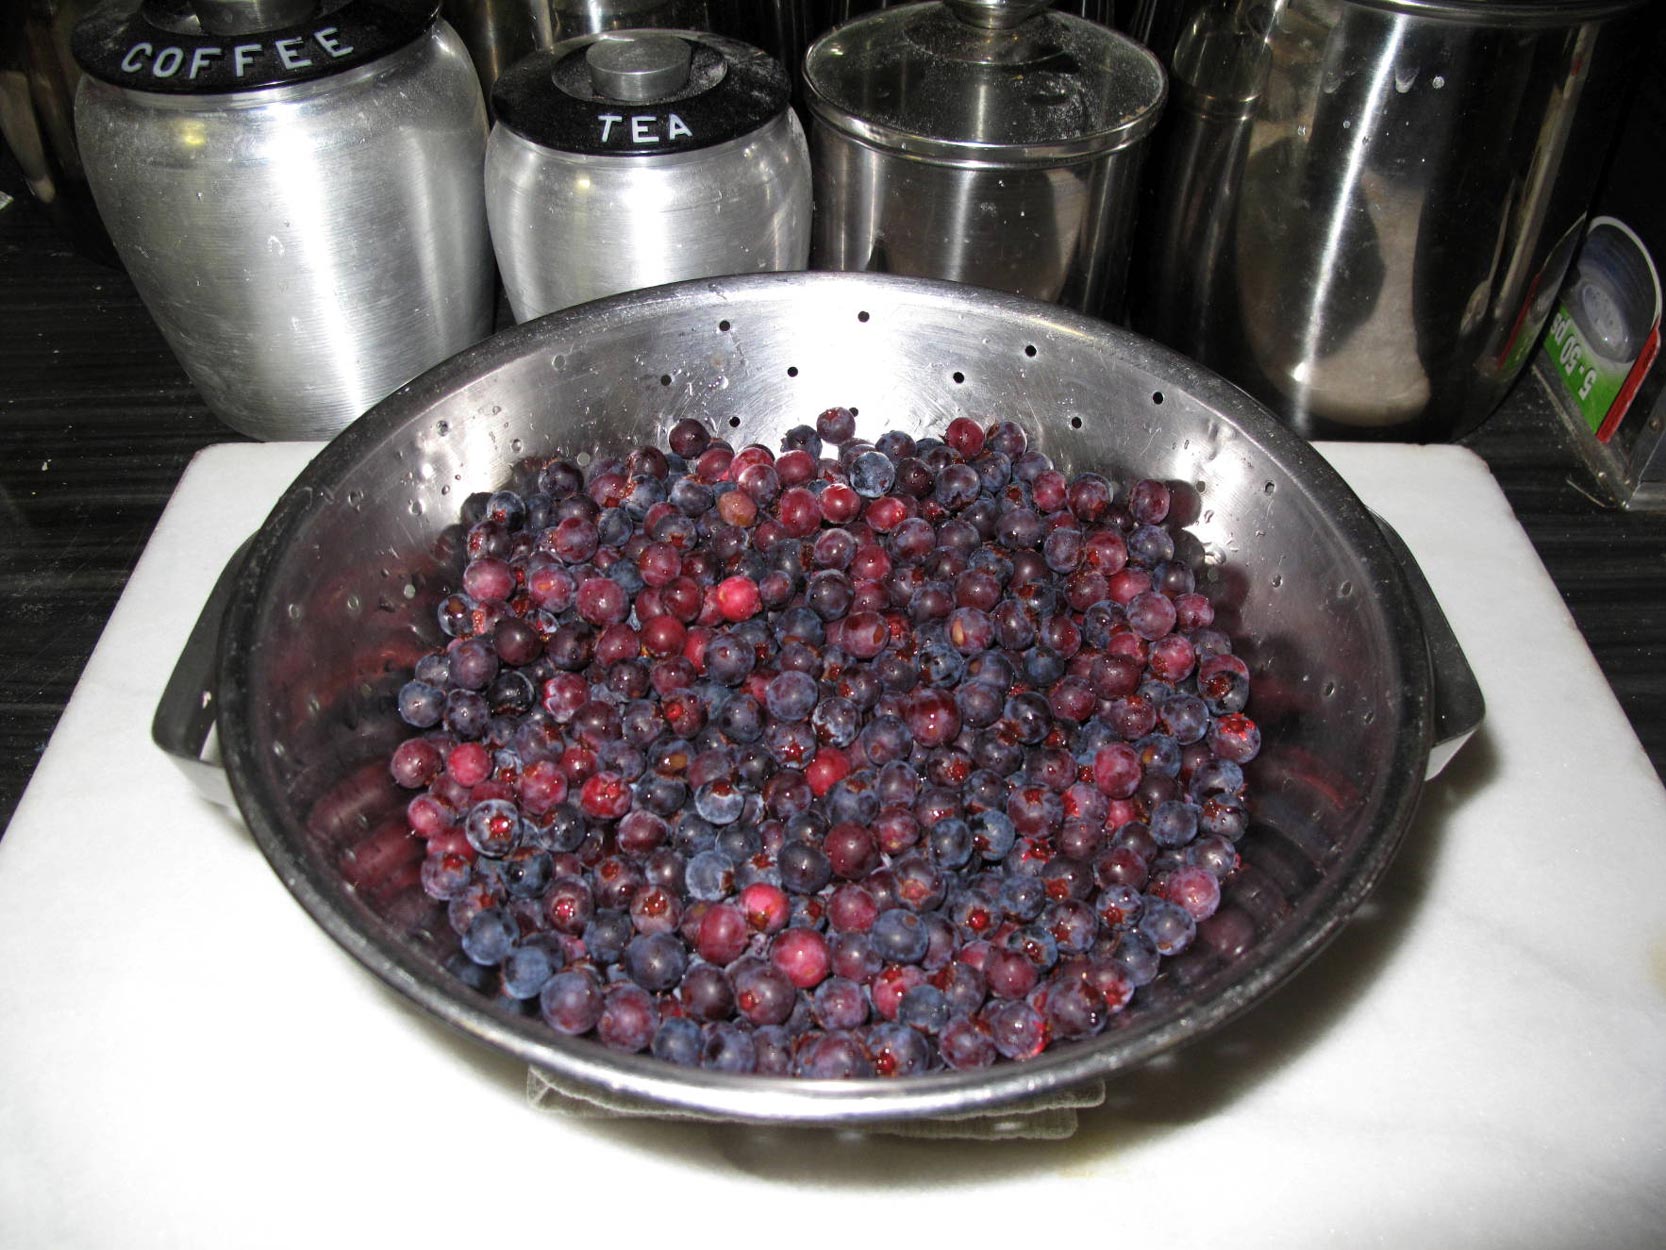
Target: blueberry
{"points": [[528, 968], [904, 687], [490, 937]]}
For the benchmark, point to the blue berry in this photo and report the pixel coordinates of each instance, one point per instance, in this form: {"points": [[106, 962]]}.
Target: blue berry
{"points": [[898, 709], [1167, 926], [727, 1047], [490, 937], [900, 936], [897, 1050], [924, 1008], [791, 696], [421, 705], [678, 1040], [528, 969], [655, 961]]}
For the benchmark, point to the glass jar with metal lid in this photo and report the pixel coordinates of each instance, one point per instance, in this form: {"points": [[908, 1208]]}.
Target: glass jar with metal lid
{"points": [[990, 142]]}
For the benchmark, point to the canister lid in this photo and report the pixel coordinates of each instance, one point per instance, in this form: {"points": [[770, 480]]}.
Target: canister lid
{"points": [[207, 47], [640, 93], [1529, 13], [1005, 81]]}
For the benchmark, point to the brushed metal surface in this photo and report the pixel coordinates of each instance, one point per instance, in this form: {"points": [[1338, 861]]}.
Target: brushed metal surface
{"points": [[337, 599], [569, 227], [1061, 233], [1363, 211], [591, 17], [498, 33], [305, 249], [1008, 159]]}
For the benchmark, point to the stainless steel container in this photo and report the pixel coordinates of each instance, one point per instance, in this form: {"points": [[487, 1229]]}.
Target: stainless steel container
{"points": [[1360, 690], [498, 33], [983, 141], [593, 17], [633, 159], [1363, 209], [295, 193], [38, 78]]}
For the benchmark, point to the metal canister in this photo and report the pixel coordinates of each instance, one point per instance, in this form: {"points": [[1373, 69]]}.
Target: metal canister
{"points": [[1363, 209], [593, 17], [295, 190], [637, 158], [498, 33], [990, 142]]}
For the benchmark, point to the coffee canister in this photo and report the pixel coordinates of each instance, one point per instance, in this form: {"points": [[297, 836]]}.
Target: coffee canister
{"points": [[991, 142], [294, 189], [637, 158]]}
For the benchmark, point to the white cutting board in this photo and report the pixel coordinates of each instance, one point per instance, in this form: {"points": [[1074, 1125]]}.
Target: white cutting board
{"points": [[1479, 1059]]}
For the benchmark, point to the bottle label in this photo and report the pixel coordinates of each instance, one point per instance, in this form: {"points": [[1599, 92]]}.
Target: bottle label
{"points": [[1605, 333]]}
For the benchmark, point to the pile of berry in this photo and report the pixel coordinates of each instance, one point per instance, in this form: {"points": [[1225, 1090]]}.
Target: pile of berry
{"points": [[853, 759]]}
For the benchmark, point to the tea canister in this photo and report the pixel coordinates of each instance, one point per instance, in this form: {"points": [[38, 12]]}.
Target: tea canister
{"points": [[632, 159]]}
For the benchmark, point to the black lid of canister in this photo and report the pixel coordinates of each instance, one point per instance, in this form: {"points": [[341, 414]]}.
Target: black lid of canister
{"points": [[640, 93], [210, 47]]}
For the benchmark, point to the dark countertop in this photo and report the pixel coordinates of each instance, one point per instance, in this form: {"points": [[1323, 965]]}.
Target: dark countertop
{"points": [[98, 421]]}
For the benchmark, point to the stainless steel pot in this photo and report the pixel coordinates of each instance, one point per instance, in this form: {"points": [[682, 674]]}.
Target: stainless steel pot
{"points": [[1359, 691], [1362, 210]]}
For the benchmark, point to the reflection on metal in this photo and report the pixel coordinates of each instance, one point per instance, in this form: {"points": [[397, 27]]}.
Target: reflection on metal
{"points": [[1361, 211]]}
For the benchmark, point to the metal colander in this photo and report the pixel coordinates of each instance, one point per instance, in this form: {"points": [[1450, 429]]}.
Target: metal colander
{"points": [[335, 599]]}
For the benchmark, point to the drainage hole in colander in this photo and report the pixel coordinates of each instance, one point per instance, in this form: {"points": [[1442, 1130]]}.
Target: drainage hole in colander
{"points": [[862, 316], [734, 423], [723, 327], [665, 379], [1075, 423], [958, 376], [792, 371], [1156, 397], [1029, 349]]}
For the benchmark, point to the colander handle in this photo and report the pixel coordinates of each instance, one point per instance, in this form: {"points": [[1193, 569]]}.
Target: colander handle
{"points": [[1459, 706], [184, 724]]}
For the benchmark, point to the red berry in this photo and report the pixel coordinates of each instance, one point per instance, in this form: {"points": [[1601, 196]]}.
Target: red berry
{"points": [[766, 906], [469, 763], [965, 436], [829, 766], [737, 598], [606, 796], [802, 954]]}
